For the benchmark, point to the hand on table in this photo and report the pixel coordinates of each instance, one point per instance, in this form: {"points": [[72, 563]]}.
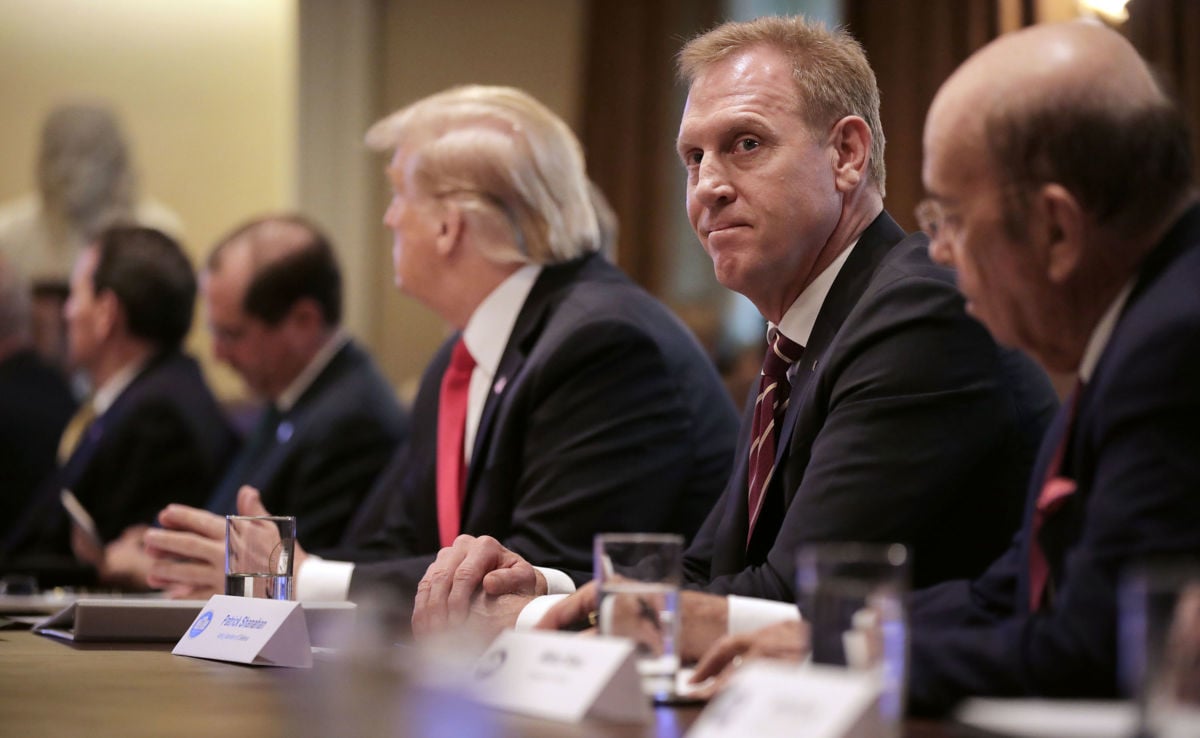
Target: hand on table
{"points": [[189, 549], [786, 641], [477, 580]]}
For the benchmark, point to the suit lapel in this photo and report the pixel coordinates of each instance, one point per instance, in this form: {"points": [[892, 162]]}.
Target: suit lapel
{"points": [[851, 282], [525, 333]]}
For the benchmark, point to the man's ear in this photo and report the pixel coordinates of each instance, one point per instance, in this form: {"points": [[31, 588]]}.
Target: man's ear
{"points": [[451, 224], [850, 140], [108, 313], [306, 313], [1061, 224]]}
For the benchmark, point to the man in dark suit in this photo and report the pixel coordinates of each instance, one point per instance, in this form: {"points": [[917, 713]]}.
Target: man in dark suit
{"points": [[273, 292], [581, 403], [1061, 187], [35, 403], [1071, 213], [895, 417], [151, 432]]}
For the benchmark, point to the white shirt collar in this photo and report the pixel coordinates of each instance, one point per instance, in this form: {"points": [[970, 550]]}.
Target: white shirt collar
{"points": [[797, 323], [490, 325], [107, 394], [1102, 332], [288, 398], [486, 336]]}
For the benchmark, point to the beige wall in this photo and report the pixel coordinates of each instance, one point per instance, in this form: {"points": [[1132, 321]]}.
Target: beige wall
{"points": [[208, 92], [205, 91]]}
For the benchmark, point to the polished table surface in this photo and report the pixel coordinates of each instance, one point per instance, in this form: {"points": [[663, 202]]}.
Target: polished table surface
{"points": [[56, 688]]}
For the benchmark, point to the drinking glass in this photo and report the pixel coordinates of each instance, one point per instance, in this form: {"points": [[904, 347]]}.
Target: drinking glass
{"points": [[852, 597], [639, 575], [258, 556], [1159, 646]]}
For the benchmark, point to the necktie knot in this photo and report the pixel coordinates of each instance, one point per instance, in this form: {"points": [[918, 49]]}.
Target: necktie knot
{"points": [[461, 361], [782, 352], [75, 429]]}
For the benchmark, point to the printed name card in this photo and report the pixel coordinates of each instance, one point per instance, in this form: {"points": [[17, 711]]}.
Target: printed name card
{"points": [[560, 676], [766, 700], [249, 630]]}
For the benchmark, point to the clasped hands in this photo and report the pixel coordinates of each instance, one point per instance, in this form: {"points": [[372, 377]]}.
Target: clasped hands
{"points": [[479, 585], [185, 557]]}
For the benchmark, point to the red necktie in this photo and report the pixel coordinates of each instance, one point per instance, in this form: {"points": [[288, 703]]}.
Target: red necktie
{"points": [[452, 421], [769, 407], [1055, 492]]}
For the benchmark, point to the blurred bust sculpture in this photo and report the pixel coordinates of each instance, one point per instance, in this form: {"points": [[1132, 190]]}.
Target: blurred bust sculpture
{"points": [[85, 183]]}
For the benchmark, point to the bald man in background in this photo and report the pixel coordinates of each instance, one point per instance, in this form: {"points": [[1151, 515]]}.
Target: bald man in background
{"points": [[1060, 181], [273, 292]]}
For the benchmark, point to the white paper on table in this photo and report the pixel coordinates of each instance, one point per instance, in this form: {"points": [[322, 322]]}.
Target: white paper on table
{"points": [[1041, 718]]}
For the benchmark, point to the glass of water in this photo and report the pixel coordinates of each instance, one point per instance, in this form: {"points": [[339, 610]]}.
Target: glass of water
{"points": [[258, 556], [1159, 645], [639, 575], [852, 597]]}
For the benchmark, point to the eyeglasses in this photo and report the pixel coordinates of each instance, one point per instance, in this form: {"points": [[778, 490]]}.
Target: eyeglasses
{"points": [[934, 220]]}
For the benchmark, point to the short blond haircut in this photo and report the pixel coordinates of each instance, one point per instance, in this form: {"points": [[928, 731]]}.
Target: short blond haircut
{"points": [[507, 160], [830, 69]]}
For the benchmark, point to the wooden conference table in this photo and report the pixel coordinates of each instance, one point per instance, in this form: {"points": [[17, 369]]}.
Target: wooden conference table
{"points": [[55, 688]]}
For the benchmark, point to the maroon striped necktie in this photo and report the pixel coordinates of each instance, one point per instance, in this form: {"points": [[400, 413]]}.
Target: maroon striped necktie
{"points": [[769, 407]]}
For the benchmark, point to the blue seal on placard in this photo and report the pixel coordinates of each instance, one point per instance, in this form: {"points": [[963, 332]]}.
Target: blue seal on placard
{"points": [[201, 624], [490, 663]]}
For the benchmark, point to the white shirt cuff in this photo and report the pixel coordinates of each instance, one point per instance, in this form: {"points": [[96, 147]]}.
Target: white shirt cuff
{"points": [[557, 582], [323, 581], [747, 614], [532, 613]]}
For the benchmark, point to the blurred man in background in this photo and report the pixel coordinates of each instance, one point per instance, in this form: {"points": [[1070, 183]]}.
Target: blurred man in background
{"points": [[568, 400], [35, 403], [273, 293], [151, 432]]}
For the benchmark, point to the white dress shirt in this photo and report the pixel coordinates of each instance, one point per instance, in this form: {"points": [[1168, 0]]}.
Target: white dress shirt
{"points": [[485, 335], [745, 613]]}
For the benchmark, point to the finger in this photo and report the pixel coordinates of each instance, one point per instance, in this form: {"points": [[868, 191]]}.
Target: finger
{"points": [[716, 684], [572, 610], [519, 579], [434, 588], [180, 591], [483, 554], [167, 572], [249, 501], [179, 544], [717, 658], [182, 517]]}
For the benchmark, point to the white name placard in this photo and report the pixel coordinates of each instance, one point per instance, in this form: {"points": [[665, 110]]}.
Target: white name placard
{"points": [[770, 699], [248, 630], [560, 676]]}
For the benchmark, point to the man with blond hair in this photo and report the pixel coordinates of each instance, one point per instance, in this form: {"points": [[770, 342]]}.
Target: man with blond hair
{"points": [[884, 413], [567, 401], [1061, 187]]}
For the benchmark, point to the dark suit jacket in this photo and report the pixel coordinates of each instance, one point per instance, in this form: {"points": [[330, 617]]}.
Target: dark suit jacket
{"points": [[606, 416], [35, 405], [162, 440], [1134, 454], [906, 423], [318, 460]]}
